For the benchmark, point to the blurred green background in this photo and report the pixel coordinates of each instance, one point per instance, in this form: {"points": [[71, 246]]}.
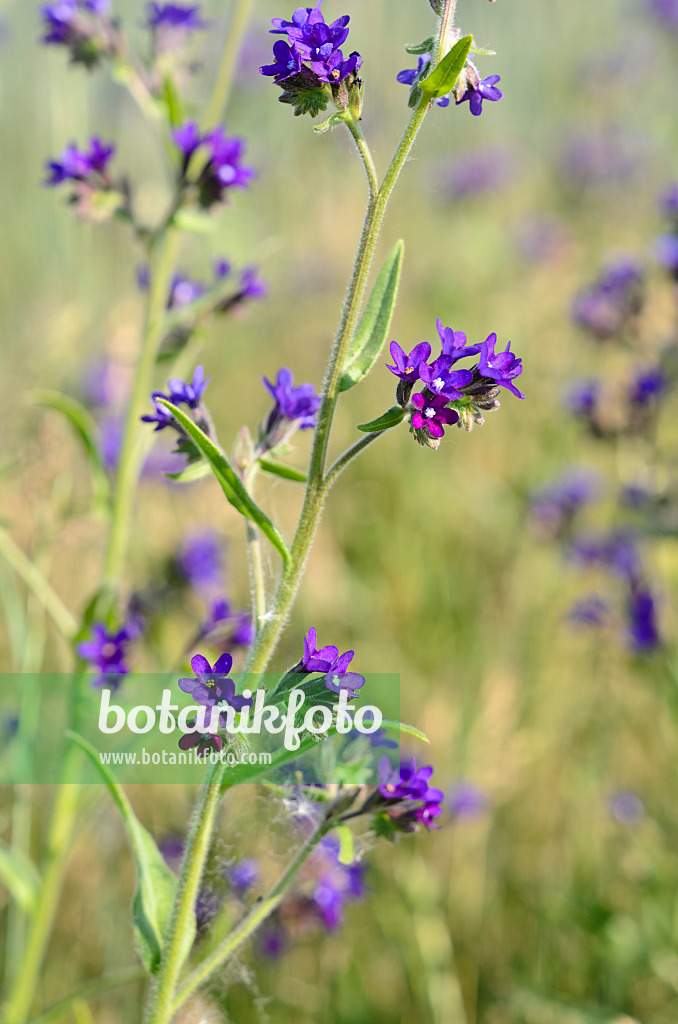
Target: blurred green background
{"points": [[543, 909]]}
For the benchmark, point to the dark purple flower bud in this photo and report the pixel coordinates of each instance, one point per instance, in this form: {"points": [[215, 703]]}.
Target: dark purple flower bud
{"points": [[501, 367], [466, 800], [626, 807], [432, 415], [485, 89], [643, 632], [406, 367], [591, 610], [200, 559], [106, 651]]}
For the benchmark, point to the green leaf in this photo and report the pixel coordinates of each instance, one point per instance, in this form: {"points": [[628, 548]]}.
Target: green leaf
{"points": [[156, 890], [85, 430], [410, 730], [443, 78], [173, 100], [228, 479], [339, 117], [418, 48], [194, 221], [280, 469], [20, 877], [391, 418], [375, 323], [346, 844], [196, 471]]}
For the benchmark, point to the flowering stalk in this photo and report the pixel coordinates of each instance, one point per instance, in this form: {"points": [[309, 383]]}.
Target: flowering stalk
{"points": [[249, 924], [318, 486], [214, 111], [182, 923], [256, 565]]}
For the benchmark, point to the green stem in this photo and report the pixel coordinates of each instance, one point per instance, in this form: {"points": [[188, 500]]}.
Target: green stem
{"points": [[131, 457], [250, 923], [182, 923], [216, 107], [36, 582], [264, 645], [445, 30], [94, 988], [61, 830], [366, 157], [255, 558]]}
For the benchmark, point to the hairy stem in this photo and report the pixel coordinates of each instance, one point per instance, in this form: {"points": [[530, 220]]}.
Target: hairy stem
{"points": [[265, 644], [342, 462], [445, 29], [162, 263], [256, 564], [182, 923], [250, 923]]}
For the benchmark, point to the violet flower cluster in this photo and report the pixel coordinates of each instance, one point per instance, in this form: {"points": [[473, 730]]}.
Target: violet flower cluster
{"points": [[407, 797], [310, 66], [222, 169], [609, 305], [470, 87], [295, 408], [83, 27], [452, 395]]}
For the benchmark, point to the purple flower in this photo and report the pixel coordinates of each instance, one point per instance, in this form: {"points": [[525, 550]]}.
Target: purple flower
{"points": [[107, 653], [293, 405], [626, 807], [554, 507], [161, 417], [466, 800], [409, 798], [251, 285], [211, 686], [432, 415], [86, 166], [334, 67], [454, 343], [501, 367], [189, 394], [665, 11], [406, 367], [317, 659], [185, 17], [611, 155], [616, 551], [203, 743], [486, 89], [224, 169], [287, 62], [605, 307], [582, 397], [475, 173], [200, 559], [591, 610], [223, 621], [272, 941], [334, 665], [243, 875], [76, 25], [668, 202], [643, 632], [666, 252], [648, 387], [440, 380], [336, 884], [410, 76]]}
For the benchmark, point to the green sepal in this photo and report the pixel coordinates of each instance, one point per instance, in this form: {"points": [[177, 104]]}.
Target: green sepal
{"points": [[157, 885], [424, 47], [306, 93], [375, 323], [391, 418], [339, 117], [231, 484], [443, 78]]}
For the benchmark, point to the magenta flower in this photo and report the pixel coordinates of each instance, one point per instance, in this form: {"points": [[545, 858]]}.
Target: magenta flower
{"points": [[432, 415]]}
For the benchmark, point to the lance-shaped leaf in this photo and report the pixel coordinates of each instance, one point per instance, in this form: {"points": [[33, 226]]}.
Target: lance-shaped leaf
{"points": [[228, 479], [391, 418], [20, 877], [375, 322], [156, 890], [443, 78], [409, 730], [286, 472], [85, 430]]}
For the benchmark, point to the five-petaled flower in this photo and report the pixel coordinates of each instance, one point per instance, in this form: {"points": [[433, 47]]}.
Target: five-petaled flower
{"points": [[442, 381], [485, 89], [406, 366], [501, 367], [432, 414], [211, 686]]}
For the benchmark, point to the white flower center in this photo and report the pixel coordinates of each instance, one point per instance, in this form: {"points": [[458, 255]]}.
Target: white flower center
{"points": [[429, 413], [438, 384]]}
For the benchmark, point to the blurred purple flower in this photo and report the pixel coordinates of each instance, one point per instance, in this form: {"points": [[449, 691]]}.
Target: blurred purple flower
{"points": [[243, 875], [106, 651], [81, 165], [666, 11], [626, 807], [541, 239], [605, 307], [555, 506], [466, 800], [582, 396], [666, 253], [648, 386], [200, 559], [182, 16], [223, 170], [591, 610], [475, 172], [668, 202], [643, 633], [612, 155]]}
